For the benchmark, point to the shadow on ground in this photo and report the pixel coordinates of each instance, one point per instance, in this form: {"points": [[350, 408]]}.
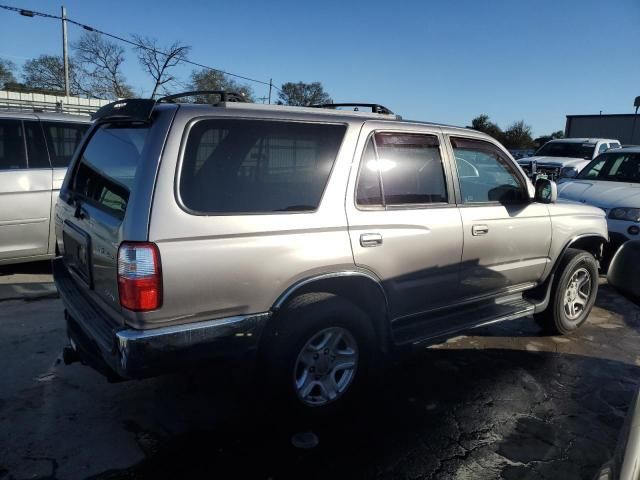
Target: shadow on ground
{"points": [[444, 414], [32, 268]]}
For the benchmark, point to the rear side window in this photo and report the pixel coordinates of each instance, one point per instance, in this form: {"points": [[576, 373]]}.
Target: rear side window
{"points": [[12, 145], [257, 166], [63, 139], [407, 167], [108, 166]]}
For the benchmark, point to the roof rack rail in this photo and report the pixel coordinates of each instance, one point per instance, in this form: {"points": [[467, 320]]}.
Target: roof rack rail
{"points": [[139, 109], [375, 108], [224, 96]]}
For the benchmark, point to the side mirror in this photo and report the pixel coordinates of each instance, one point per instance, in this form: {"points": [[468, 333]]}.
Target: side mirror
{"points": [[546, 191]]}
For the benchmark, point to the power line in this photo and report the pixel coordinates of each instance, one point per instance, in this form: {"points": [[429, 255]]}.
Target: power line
{"points": [[33, 13]]}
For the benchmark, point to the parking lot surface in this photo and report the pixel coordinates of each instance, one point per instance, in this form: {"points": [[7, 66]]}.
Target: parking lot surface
{"points": [[502, 402]]}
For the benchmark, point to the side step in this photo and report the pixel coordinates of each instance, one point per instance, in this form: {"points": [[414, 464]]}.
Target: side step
{"points": [[446, 322]]}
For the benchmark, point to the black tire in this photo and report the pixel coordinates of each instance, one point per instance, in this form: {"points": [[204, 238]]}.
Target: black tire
{"points": [[301, 320], [555, 320]]}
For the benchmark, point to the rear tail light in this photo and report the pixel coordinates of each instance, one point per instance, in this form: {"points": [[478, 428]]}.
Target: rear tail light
{"points": [[139, 276]]}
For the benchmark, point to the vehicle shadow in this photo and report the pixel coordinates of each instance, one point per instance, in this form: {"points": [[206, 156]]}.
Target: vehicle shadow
{"points": [[610, 299], [30, 268], [441, 414]]}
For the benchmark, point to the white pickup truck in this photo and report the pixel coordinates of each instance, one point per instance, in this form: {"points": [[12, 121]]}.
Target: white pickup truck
{"points": [[567, 157]]}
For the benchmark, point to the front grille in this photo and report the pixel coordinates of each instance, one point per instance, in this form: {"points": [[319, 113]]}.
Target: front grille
{"points": [[553, 173]]}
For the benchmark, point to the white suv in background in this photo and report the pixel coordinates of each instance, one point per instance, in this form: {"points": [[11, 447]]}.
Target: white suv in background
{"points": [[35, 150], [568, 156]]}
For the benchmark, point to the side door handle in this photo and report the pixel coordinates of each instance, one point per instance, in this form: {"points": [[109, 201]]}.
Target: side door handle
{"points": [[478, 230], [370, 239]]}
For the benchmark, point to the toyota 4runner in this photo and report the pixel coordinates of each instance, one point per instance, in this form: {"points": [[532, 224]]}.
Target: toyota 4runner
{"points": [[311, 241]]}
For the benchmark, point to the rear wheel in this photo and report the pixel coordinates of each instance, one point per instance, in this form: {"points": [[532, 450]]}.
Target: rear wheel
{"points": [[319, 354], [573, 293]]}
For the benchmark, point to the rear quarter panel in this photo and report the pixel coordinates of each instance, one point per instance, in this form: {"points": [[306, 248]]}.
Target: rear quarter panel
{"points": [[218, 266]]}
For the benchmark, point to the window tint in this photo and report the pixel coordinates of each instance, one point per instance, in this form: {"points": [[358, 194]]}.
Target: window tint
{"points": [[255, 166], [62, 140], [485, 173], [108, 166], [37, 156], [603, 148], [12, 150], [410, 169]]}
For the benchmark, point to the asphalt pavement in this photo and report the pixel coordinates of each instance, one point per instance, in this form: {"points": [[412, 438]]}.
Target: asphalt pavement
{"points": [[504, 401]]}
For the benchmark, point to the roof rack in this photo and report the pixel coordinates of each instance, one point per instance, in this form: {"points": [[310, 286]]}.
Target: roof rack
{"points": [[375, 108], [139, 109], [224, 96]]}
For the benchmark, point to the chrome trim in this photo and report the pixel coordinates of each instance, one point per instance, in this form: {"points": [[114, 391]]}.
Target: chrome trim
{"points": [[129, 335], [347, 273]]}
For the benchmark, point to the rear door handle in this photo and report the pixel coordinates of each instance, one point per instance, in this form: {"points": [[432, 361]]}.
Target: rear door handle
{"points": [[477, 230], [370, 239]]}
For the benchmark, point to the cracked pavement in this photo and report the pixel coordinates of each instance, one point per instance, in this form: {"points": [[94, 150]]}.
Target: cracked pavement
{"points": [[502, 402]]}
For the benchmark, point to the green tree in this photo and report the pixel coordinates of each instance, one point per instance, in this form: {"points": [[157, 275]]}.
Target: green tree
{"points": [[482, 124], [518, 136], [545, 138], [7, 68], [303, 94], [207, 79]]}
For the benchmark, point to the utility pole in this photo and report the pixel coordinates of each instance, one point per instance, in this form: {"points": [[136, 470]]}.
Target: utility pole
{"points": [[65, 54], [270, 85], [636, 104]]}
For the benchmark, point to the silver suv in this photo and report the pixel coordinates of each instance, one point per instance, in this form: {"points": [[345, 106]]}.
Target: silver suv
{"points": [[312, 241]]}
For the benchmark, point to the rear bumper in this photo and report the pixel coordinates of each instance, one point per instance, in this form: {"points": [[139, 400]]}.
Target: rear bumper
{"points": [[121, 352]]}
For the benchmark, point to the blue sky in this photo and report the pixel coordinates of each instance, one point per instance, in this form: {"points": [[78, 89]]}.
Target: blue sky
{"points": [[443, 61]]}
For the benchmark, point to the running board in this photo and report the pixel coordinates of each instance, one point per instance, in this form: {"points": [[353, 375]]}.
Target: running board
{"points": [[443, 324]]}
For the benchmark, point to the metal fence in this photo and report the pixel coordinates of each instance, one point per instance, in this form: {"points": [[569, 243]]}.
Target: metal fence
{"points": [[38, 102]]}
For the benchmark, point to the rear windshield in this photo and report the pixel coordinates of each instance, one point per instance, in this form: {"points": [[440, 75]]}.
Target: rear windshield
{"points": [[257, 166], [567, 149], [108, 166]]}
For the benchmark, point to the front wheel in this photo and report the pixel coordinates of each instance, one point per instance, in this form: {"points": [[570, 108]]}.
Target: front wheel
{"points": [[573, 293]]}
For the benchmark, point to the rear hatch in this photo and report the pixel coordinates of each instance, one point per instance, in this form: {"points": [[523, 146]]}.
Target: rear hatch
{"points": [[95, 206]]}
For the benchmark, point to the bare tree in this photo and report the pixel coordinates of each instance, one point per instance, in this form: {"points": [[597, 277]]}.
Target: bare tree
{"points": [[101, 63], [46, 72], [158, 61]]}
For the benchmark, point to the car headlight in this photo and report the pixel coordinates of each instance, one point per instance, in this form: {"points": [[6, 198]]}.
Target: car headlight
{"points": [[569, 172], [624, 213]]}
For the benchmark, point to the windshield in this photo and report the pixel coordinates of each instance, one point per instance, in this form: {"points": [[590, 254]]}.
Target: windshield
{"points": [[614, 167], [567, 149]]}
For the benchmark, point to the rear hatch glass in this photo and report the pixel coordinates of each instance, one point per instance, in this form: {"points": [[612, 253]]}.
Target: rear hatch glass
{"points": [[108, 166], [100, 188]]}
